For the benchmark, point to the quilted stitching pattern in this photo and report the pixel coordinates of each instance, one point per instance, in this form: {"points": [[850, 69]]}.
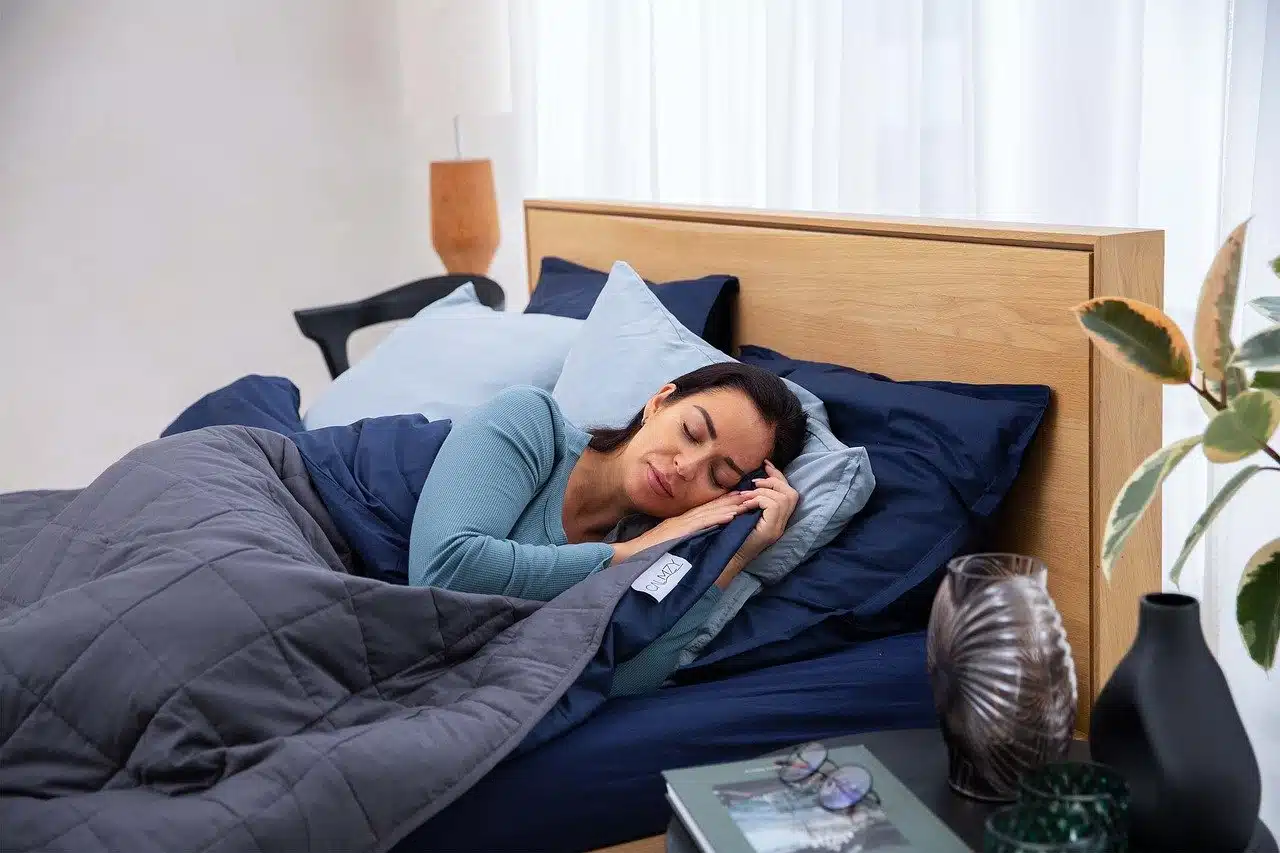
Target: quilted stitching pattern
{"points": [[270, 699]]}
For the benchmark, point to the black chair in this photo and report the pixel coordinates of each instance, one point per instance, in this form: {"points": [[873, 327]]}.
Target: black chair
{"points": [[331, 325]]}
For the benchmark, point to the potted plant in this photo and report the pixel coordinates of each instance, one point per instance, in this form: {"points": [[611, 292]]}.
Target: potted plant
{"points": [[1166, 718]]}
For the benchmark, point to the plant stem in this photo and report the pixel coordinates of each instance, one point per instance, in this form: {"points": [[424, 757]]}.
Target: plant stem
{"points": [[1213, 402]]}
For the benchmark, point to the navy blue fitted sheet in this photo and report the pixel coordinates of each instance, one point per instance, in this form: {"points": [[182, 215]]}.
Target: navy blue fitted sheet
{"points": [[599, 784]]}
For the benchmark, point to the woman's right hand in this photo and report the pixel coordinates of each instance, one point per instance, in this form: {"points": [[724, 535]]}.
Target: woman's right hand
{"points": [[722, 510]]}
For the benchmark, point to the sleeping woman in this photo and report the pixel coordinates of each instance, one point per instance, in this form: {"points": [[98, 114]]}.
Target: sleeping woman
{"points": [[521, 502]]}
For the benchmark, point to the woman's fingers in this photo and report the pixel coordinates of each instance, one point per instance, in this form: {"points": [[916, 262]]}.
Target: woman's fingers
{"points": [[731, 499], [776, 500], [710, 520], [778, 483], [775, 483], [786, 498], [770, 505], [731, 503], [775, 511], [717, 512], [777, 479], [774, 496], [783, 499], [734, 502]]}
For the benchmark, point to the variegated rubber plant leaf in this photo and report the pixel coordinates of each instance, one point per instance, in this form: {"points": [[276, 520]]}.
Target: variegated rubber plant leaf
{"points": [[1138, 336], [1220, 500], [1268, 306], [1242, 428], [1217, 309], [1260, 352], [1136, 495], [1258, 604]]}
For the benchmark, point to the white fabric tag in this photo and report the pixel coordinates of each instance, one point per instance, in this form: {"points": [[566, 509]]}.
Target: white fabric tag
{"points": [[662, 577]]}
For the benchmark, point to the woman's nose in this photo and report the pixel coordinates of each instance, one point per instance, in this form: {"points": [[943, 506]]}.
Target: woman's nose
{"points": [[679, 464], [687, 466]]}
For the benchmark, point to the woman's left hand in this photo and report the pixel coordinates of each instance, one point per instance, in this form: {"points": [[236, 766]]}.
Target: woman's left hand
{"points": [[775, 497]]}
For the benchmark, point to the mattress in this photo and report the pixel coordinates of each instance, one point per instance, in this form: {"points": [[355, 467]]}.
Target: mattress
{"points": [[599, 784]]}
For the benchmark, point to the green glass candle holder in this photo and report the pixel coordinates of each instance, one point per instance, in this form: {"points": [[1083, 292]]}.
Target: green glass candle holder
{"points": [[1096, 788], [1043, 827]]}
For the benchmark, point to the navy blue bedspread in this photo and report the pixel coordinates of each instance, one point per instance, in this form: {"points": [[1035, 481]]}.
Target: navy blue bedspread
{"points": [[369, 474]]}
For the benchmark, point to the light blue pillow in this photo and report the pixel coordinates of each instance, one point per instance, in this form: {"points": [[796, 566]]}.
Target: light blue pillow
{"points": [[450, 357], [655, 348], [631, 346]]}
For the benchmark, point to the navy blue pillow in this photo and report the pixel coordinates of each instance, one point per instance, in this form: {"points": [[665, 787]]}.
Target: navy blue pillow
{"points": [[944, 455], [704, 305]]}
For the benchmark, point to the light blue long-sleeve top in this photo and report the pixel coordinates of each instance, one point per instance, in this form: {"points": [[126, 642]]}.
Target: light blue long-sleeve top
{"points": [[490, 520]]}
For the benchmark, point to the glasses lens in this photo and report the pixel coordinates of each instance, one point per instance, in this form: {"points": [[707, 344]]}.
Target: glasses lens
{"points": [[845, 788], [803, 763]]}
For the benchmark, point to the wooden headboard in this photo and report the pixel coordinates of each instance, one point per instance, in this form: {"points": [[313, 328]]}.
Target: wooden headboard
{"points": [[927, 299]]}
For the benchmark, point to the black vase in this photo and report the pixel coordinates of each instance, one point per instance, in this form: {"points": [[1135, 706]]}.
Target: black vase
{"points": [[1167, 722]]}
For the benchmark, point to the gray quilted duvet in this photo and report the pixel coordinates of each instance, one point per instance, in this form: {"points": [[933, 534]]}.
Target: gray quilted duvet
{"points": [[186, 663]]}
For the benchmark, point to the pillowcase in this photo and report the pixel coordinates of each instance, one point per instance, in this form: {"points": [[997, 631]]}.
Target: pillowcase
{"points": [[945, 455], [450, 357], [704, 305], [631, 346]]}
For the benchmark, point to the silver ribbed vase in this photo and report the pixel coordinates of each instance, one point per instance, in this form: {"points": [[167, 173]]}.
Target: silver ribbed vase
{"points": [[1004, 683]]}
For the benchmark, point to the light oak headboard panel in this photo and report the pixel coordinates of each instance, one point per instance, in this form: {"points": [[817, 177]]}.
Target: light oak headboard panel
{"points": [[924, 299]]}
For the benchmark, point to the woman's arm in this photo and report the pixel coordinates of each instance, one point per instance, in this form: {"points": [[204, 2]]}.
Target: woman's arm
{"points": [[487, 472]]}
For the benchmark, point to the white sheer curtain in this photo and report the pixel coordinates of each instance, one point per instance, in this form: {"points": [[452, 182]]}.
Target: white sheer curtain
{"points": [[1164, 114]]}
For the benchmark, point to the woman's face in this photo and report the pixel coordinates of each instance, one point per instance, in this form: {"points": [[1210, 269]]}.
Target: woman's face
{"points": [[692, 450]]}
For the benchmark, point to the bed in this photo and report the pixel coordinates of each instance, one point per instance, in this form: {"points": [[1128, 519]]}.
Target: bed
{"points": [[914, 299]]}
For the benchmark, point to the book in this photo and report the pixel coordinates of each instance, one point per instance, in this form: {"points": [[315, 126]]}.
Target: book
{"points": [[744, 807]]}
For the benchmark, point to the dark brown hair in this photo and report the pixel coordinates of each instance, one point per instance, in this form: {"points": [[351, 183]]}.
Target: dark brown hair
{"points": [[772, 398]]}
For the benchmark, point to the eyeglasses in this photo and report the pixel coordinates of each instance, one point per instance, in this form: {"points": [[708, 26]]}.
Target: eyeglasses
{"points": [[843, 786]]}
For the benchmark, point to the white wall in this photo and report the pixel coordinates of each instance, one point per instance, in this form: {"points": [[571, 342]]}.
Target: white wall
{"points": [[455, 61], [176, 179]]}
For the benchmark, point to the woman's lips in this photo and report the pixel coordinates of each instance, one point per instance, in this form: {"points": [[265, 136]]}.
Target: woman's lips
{"points": [[655, 483]]}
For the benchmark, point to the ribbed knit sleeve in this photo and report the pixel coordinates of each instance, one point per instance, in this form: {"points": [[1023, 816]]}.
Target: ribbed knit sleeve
{"points": [[487, 472]]}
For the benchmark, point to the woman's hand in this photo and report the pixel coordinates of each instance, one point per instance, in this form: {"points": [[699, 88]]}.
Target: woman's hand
{"points": [[777, 500], [772, 495], [722, 510]]}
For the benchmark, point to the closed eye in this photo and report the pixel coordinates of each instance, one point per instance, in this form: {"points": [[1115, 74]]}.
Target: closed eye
{"points": [[715, 483]]}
